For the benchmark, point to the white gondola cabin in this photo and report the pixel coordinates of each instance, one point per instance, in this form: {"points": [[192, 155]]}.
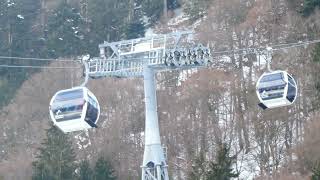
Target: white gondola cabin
{"points": [[276, 89], [74, 109]]}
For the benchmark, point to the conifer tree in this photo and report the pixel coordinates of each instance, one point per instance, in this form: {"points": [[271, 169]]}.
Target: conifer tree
{"points": [[316, 75], [316, 172], [198, 168], [135, 29], [152, 9], [221, 169], [316, 53], [56, 160], [309, 6], [103, 170], [195, 9], [66, 35], [85, 171], [108, 21], [16, 39]]}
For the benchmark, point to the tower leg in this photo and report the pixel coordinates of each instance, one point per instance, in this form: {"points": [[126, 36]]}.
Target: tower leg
{"points": [[154, 166]]}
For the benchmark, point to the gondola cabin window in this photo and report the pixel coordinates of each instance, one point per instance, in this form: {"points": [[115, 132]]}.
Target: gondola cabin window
{"points": [[68, 105]]}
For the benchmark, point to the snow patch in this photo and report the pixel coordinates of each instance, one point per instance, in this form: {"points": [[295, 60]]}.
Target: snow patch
{"points": [[184, 75], [83, 140], [10, 3], [145, 20], [20, 16], [149, 32], [180, 17], [225, 59]]}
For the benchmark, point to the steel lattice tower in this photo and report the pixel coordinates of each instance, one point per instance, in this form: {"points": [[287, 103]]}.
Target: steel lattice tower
{"points": [[144, 57]]}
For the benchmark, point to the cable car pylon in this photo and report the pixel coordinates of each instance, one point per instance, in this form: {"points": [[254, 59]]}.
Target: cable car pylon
{"points": [[143, 58], [154, 165]]}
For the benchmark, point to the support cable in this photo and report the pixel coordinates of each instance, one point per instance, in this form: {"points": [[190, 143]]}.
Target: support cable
{"points": [[35, 67], [34, 59], [236, 52]]}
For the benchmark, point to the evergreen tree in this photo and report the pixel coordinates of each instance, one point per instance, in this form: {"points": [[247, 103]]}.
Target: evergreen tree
{"points": [[198, 168], [66, 35], [153, 9], [316, 76], [108, 21], [85, 171], [222, 168], [196, 9], [309, 6], [16, 39], [17, 18], [136, 27], [316, 172], [173, 4], [103, 170], [56, 160], [316, 53]]}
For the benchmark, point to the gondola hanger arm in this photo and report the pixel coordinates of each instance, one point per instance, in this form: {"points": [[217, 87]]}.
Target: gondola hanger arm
{"points": [[269, 51], [85, 60]]}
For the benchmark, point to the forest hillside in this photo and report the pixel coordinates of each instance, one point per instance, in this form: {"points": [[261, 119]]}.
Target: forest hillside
{"points": [[200, 111]]}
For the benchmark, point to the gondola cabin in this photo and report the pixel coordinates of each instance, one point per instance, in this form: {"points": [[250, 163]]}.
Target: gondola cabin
{"points": [[74, 109], [276, 89]]}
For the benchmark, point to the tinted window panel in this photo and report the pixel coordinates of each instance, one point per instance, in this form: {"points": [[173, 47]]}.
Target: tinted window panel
{"points": [[65, 105], [267, 95], [291, 93], [291, 81], [69, 95], [271, 88], [272, 77], [92, 114], [93, 102], [67, 113]]}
